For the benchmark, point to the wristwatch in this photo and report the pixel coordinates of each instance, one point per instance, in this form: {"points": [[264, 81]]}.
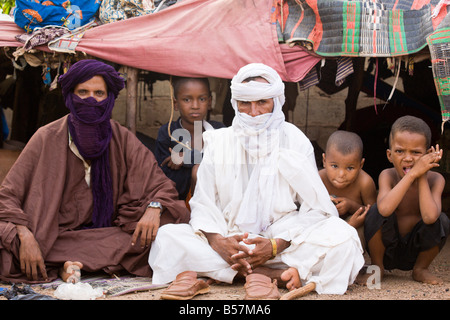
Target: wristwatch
{"points": [[156, 205]]}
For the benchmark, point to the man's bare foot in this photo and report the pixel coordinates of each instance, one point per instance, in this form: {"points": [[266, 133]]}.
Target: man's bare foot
{"points": [[291, 278], [70, 272], [288, 278], [425, 276]]}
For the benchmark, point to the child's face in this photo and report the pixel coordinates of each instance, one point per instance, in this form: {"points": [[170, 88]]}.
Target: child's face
{"points": [[406, 148], [342, 170], [193, 101]]}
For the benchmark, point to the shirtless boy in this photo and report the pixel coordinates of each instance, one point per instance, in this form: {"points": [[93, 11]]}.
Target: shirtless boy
{"points": [[351, 189], [406, 228]]}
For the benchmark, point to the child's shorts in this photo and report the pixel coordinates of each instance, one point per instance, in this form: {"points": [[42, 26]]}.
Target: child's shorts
{"points": [[401, 252]]}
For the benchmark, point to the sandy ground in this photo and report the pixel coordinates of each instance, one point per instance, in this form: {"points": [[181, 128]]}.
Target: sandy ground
{"points": [[396, 285]]}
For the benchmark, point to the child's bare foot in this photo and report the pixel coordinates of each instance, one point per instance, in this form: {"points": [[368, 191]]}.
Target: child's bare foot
{"points": [[366, 274], [70, 272], [362, 278], [425, 276]]}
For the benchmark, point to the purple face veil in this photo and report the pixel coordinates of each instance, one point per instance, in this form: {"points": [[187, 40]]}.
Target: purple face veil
{"points": [[90, 129]]}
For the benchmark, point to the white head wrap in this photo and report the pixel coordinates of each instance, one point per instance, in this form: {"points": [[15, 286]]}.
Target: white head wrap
{"points": [[259, 136], [254, 91]]}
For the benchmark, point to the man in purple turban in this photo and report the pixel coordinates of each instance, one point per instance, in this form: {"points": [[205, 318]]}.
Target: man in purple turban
{"points": [[85, 192]]}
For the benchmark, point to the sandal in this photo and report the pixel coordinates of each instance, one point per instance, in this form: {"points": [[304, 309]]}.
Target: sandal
{"points": [[185, 287], [260, 287]]}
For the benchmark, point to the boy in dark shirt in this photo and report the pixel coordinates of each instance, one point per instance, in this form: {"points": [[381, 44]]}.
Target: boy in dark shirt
{"points": [[179, 153]]}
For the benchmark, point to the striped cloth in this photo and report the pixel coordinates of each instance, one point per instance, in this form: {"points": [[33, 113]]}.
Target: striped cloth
{"points": [[344, 68], [371, 28], [439, 45]]}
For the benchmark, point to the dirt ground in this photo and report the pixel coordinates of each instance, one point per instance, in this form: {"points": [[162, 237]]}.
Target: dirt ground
{"points": [[396, 285]]}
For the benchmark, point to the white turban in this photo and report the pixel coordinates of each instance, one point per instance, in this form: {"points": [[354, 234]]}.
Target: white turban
{"points": [[254, 91]]}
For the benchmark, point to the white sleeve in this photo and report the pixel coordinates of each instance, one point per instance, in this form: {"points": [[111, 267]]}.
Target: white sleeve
{"points": [[206, 214]]}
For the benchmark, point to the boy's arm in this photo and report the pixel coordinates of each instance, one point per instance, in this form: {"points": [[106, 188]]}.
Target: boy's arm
{"points": [[430, 193], [368, 190], [431, 186], [390, 197]]}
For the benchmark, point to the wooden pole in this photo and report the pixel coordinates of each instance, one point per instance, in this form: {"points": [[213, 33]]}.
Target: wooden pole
{"points": [[353, 92], [131, 106]]}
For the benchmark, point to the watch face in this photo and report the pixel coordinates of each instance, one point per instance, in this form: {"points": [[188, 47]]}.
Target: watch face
{"points": [[155, 204]]}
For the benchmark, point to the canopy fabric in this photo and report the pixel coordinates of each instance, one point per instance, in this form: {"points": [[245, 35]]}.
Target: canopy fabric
{"points": [[8, 31], [199, 38], [194, 38]]}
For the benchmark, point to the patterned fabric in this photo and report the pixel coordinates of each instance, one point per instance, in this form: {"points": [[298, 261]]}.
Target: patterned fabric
{"points": [[115, 10], [371, 28], [68, 42], [311, 79], [40, 36], [344, 68], [66, 13], [439, 44]]}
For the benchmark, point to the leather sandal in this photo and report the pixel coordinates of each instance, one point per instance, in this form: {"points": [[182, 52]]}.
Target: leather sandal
{"points": [[260, 287], [185, 287]]}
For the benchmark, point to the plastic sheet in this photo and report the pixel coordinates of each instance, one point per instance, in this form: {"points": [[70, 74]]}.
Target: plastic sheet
{"points": [[23, 293], [77, 291]]}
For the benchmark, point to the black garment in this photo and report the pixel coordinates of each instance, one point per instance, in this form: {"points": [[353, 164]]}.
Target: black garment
{"points": [[401, 252], [181, 177]]}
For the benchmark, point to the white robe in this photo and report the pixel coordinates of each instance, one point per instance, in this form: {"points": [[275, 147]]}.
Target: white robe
{"points": [[324, 248]]}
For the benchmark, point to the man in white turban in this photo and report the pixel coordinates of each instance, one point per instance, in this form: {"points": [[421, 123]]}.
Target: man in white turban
{"points": [[259, 210]]}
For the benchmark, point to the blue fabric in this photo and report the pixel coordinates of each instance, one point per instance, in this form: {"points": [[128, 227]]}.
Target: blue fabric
{"points": [[31, 14]]}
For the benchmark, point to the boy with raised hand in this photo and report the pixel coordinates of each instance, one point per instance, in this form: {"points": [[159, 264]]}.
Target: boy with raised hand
{"points": [[406, 228]]}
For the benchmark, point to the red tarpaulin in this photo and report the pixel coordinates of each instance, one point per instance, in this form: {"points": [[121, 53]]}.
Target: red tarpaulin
{"points": [[193, 38]]}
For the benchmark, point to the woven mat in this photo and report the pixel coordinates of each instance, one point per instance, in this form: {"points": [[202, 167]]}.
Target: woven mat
{"points": [[439, 44], [112, 286]]}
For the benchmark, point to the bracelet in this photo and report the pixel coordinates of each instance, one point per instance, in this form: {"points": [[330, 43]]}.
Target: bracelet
{"points": [[274, 248]]}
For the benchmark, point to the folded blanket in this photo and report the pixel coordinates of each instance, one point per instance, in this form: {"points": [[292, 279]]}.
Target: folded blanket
{"points": [[40, 13]]}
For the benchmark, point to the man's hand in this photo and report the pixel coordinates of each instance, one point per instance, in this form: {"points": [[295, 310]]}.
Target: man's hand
{"points": [[259, 254], [30, 255], [226, 247], [256, 256], [147, 227]]}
